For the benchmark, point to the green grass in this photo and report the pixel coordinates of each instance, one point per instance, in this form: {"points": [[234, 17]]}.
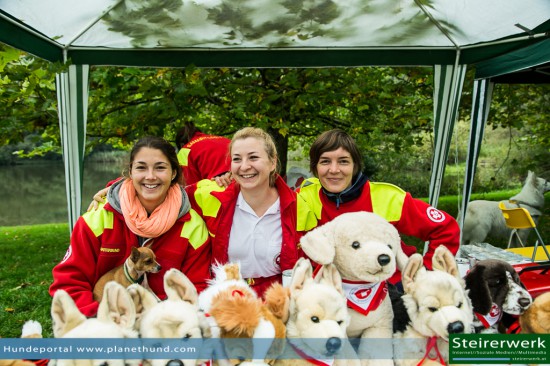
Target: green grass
{"points": [[30, 252]]}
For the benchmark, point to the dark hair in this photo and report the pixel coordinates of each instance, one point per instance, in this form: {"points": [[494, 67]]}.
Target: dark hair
{"points": [[185, 134], [166, 148], [332, 140]]}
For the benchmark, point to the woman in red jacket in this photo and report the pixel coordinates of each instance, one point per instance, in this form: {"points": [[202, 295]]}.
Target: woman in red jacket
{"points": [[253, 220], [148, 204], [340, 186]]}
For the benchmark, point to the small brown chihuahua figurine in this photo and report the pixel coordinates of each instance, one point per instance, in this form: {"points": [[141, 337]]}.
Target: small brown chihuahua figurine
{"points": [[141, 261]]}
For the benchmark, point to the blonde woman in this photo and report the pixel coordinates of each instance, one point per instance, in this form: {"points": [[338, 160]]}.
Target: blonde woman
{"points": [[253, 220]]}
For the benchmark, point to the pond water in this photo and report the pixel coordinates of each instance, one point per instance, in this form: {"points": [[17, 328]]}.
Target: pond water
{"points": [[35, 193]]}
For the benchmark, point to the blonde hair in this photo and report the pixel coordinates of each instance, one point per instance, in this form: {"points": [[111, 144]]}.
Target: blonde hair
{"points": [[269, 146]]}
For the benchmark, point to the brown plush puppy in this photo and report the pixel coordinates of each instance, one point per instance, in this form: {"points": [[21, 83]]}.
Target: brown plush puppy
{"points": [[536, 319]]}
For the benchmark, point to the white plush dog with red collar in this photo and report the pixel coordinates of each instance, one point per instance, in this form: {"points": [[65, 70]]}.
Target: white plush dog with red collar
{"points": [[437, 305], [366, 250]]}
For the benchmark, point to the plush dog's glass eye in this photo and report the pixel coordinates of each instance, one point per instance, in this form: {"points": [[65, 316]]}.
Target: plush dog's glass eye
{"points": [[460, 304], [355, 245], [340, 322], [390, 246], [432, 309], [315, 319]]}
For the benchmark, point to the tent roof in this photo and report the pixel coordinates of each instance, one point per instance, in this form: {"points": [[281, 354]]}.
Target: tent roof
{"points": [[272, 33], [528, 65]]}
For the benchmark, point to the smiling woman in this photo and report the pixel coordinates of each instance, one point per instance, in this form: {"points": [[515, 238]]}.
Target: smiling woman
{"points": [[147, 206]]}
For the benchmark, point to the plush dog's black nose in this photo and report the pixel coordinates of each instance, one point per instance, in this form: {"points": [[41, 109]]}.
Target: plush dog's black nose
{"points": [[524, 302], [384, 259], [455, 327], [174, 363], [333, 344]]}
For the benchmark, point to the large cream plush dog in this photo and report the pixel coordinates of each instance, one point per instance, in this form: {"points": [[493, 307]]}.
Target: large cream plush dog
{"points": [[317, 319], [437, 304], [115, 319], [176, 317], [366, 250]]}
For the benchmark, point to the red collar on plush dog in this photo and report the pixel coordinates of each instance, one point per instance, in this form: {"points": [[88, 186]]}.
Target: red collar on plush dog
{"points": [[365, 297], [432, 344], [494, 316], [311, 359]]}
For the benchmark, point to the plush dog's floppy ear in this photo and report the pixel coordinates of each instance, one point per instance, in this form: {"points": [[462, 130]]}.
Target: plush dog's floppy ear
{"points": [[478, 290], [443, 260], [329, 275], [277, 301], [412, 268], [318, 244], [301, 274], [178, 287], [117, 306], [65, 314]]}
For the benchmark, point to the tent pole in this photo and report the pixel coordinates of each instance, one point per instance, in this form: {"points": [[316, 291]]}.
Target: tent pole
{"points": [[72, 100]]}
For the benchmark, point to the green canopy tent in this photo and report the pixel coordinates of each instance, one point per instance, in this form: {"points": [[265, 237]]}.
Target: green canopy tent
{"points": [[526, 65], [448, 35]]}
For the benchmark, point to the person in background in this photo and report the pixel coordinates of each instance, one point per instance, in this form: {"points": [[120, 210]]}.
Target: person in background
{"points": [[201, 156], [253, 219], [339, 186], [148, 204]]}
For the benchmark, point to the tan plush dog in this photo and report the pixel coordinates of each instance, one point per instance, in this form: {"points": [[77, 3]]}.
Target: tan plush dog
{"points": [[317, 319], [366, 250], [177, 317], [437, 304], [115, 319], [536, 319], [140, 261], [31, 329]]}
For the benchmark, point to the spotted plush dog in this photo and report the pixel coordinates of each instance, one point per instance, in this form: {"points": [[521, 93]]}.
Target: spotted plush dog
{"points": [[495, 290]]}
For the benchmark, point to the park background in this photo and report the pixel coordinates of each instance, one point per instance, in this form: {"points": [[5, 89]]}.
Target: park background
{"points": [[388, 110]]}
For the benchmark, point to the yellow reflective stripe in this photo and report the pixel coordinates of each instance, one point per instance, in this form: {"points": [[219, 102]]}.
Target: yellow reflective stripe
{"points": [[195, 230], [309, 205], [183, 156], [209, 204], [99, 220], [387, 200]]}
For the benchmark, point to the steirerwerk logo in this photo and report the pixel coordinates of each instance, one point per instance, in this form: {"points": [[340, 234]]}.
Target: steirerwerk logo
{"points": [[499, 348]]}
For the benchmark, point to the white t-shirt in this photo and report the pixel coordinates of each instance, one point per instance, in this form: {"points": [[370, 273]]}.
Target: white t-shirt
{"points": [[255, 242]]}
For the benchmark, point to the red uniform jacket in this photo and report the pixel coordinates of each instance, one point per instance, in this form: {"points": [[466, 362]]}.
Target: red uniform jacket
{"points": [[410, 216], [217, 205], [101, 241], [204, 157]]}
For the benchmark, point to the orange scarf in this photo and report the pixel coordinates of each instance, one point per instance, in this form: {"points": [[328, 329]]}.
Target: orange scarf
{"points": [[160, 220]]}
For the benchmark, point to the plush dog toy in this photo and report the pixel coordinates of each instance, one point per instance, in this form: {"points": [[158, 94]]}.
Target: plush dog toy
{"points": [[437, 305], [495, 289], [31, 329], [317, 318], [241, 318], [536, 319], [115, 319], [366, 250]]}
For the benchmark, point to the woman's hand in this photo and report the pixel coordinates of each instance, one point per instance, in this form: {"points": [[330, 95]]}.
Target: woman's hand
{"points": [[99, 197], [222, 180]]}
